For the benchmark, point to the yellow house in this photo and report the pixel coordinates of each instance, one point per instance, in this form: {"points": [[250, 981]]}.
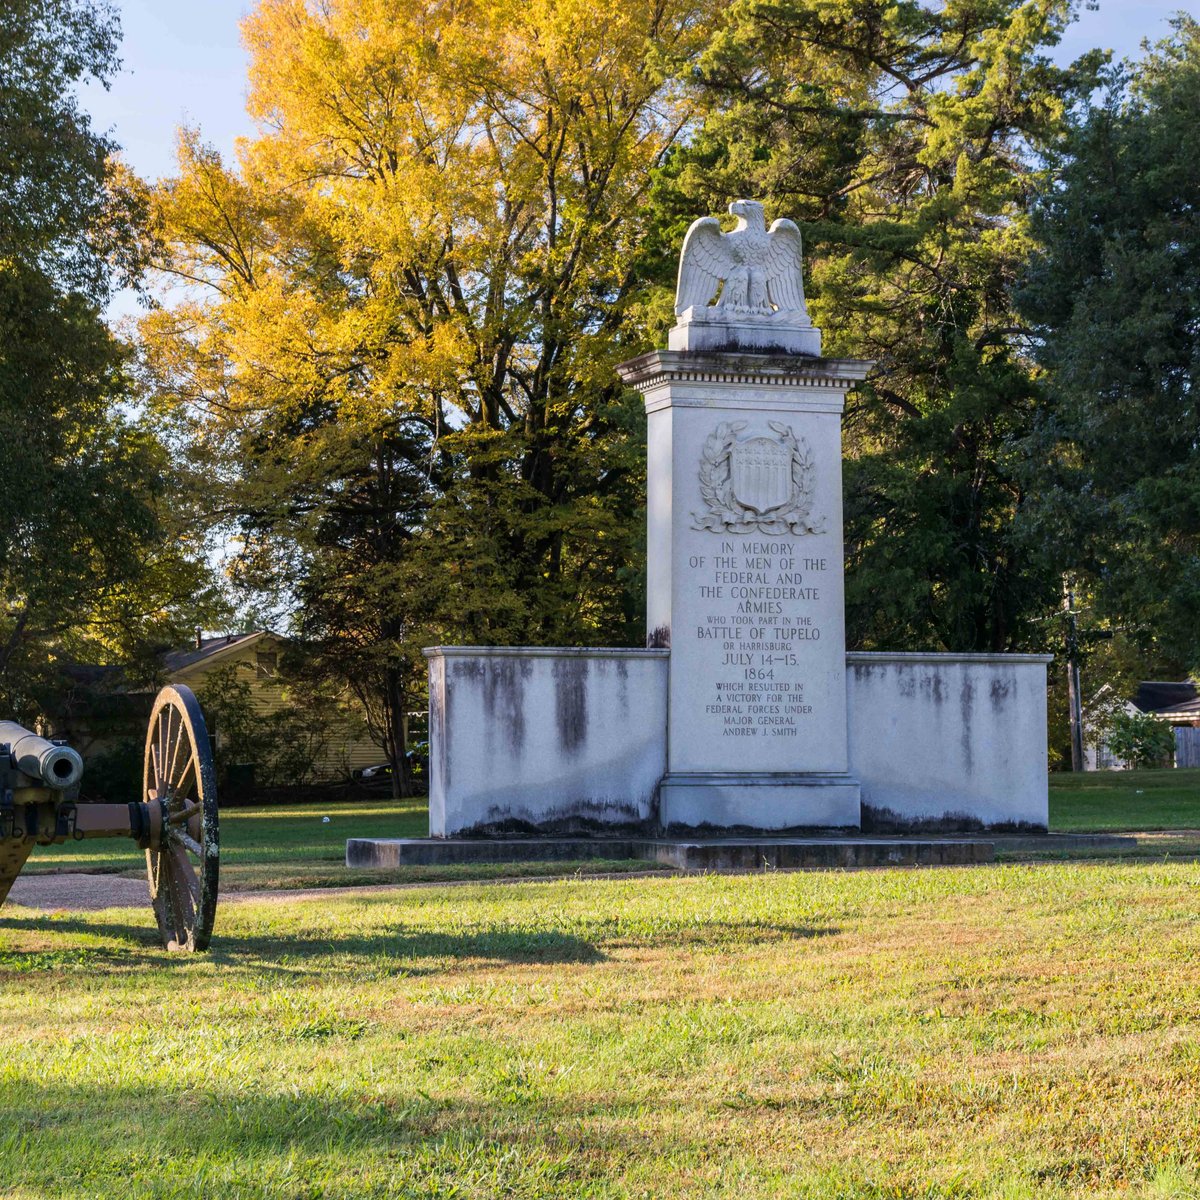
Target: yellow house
{"points": [[253, 659]]}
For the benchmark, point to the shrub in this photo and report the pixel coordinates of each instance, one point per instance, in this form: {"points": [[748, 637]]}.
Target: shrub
{"points": [[256, 750], [1141, 739]]}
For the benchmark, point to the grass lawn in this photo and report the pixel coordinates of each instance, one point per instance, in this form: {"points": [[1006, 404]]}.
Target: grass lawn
{"points": [[1001, 1032], [1125, 800], [293, 847]]}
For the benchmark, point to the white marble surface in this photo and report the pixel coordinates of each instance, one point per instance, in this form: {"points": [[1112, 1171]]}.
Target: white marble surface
{"points": [[709, 329], [745, 582], [946, 739], [544, 738], [748, 800], [548, 737]]}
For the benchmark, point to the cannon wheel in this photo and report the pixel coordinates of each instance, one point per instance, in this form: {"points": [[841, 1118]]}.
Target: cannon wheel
{"points": [[181, 780]]}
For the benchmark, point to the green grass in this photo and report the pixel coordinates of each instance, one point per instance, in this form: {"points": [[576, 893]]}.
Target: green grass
{"points": [[994, 1033], [1125, 800], [293, 847]]}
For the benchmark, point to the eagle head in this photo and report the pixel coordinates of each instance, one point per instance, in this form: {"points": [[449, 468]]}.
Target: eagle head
{"points": [[749, 214]]}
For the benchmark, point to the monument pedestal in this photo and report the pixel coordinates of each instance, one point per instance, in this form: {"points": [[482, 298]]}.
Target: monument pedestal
{"points": [[748, 800], [745, 585]]}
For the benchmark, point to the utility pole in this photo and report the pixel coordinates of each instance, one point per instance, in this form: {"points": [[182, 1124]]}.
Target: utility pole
{"points": [[1074, 703]]}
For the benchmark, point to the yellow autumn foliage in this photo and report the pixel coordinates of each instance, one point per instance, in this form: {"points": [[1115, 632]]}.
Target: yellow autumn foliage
{"points": [[442, 203]]}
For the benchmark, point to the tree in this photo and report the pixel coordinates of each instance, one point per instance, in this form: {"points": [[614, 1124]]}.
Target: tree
{"points": [[1141, 739], [905, 137], [416, 284], [1114, 297], [90, 562]]}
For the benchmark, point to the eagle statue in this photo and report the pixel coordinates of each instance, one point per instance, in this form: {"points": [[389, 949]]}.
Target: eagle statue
{"points": [[757, 270]]}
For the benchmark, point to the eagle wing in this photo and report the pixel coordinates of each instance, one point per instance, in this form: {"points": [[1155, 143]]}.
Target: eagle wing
{"points": [[704, 263], [785, 267]]}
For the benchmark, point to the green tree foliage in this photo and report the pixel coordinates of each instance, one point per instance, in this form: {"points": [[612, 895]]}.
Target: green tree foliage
{"points": [[53, 166], [89, 566], [904, 135], [419, 278], [1114, 295], [1141, 739]]}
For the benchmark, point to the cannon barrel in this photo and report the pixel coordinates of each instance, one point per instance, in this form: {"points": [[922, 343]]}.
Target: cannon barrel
{"points": [[58, 767]]}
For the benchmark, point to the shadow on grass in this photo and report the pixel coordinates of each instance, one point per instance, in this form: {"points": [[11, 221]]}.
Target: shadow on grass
{"points": [[290, 958], [291, 953]]}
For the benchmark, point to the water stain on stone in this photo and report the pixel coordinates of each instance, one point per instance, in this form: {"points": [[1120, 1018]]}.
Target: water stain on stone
{"points": [[967, 700], [934, 687], [866, 671], [439, 759], [504, 698], [880, 819], [570, 702]]}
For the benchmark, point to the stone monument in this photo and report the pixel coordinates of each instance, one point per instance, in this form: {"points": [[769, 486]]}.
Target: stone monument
{"points": [[744, 714], [744, 543]]}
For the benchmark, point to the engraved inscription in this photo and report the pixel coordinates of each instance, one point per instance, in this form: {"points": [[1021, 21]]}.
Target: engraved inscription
{"points": [[763, 620]]}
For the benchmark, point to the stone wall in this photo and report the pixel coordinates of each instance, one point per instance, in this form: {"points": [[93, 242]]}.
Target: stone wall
{"points": [[558, 741], [949, 741], [529, 740]]}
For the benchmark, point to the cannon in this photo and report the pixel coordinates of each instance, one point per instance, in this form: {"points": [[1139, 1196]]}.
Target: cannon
{"points": [[175, 821]]}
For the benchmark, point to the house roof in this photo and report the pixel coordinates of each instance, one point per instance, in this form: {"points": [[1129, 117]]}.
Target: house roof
{"points": [[1154, 697], [176, 661], [112, 681]]}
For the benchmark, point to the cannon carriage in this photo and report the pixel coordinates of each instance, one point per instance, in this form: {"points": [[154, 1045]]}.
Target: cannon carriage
{"points": [[175, 821]]}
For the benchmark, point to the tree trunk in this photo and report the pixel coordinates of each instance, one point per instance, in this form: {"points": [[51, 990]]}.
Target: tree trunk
{"points": [[402, 780], [1074, 701]]}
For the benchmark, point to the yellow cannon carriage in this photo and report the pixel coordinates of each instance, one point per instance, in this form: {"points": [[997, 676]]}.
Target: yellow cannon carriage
{"points": [[175, 821]]}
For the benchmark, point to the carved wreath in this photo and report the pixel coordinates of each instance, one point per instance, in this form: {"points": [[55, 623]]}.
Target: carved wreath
{"points": [[727, 514]]}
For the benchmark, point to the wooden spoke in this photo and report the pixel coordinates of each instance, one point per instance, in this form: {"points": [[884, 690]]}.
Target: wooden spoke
{"points": [[164, 727], [189, 843], [179, 740], [188, 771], [190, 809], [185, 874], [182, 868], [152, 771]]}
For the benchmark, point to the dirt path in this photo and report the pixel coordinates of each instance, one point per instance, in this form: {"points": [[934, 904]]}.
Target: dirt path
{"points": [[78, 893]]}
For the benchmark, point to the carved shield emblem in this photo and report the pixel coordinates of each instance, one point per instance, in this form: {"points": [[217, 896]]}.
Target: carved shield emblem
{"points": [[761, 473], [757, 484]]}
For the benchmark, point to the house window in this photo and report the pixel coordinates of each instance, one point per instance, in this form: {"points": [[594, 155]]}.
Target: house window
{"points": [[266, 665]]}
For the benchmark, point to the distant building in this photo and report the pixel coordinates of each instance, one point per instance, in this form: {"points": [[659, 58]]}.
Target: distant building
{"points": [[254, 659], [107, 710], [1176, 703]]}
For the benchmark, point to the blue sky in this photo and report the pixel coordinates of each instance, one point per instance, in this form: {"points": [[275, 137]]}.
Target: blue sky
{"points": [[185, 63]]}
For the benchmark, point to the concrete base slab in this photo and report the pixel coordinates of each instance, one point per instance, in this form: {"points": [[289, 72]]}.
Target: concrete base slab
{"points": [[701, 800], [816, 853], [698, 854], [441, 852], [1064, 843]]}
